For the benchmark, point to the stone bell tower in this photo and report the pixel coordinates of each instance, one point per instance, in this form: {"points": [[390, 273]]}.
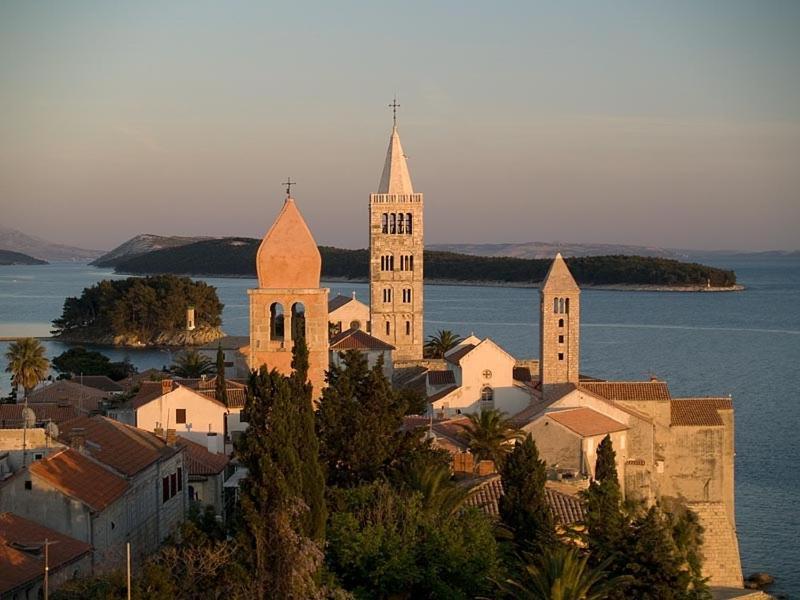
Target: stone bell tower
{"points": [[559, 326], [289, 301], [396, 254]]}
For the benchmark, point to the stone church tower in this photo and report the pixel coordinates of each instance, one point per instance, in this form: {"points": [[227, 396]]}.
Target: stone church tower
{"points": [[289, 299], [559, 327], [395, 265]]}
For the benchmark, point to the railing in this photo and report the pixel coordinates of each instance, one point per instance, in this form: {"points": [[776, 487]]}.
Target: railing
{"points": [[394, 198]]}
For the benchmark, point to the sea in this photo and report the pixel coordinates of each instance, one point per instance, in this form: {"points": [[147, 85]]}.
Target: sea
{"points": [[746, 344]]}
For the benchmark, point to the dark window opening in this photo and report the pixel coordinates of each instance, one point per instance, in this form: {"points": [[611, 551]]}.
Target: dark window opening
{"points": [[180, 479], [561, 339], [28, 485], [560, 356], [180, 416], [164, 489]]}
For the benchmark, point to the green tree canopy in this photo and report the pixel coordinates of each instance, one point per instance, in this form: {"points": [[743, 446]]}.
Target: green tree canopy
{"points": [[436, 346], [489, 434], [27, 363], [192, 364], [79, 360]]}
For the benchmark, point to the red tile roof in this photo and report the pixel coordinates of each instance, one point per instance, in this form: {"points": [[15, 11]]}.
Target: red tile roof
{"points": [[441, 377], [199, 461], [99, 382], [586, 422], [65, 391], [566, 509], [456, 356], [81, 478], [628, 390], [356, 339], [152, 390], [19, 567], [11, 414], [698, 412], [126, 449]]}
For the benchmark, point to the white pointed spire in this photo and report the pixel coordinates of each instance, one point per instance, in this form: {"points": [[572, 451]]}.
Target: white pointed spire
{"points": [[395, 178], [558, 277]]}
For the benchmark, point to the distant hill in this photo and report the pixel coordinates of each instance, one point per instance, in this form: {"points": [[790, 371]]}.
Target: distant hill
{"points": [[236, 257], [549, 250], [142, 244], [7, 257], [16, 241]]}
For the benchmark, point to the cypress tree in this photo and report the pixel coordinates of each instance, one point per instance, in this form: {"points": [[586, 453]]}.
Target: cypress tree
{"points": [[523, 506], [220, 387], [604, 517], [313, 480]]}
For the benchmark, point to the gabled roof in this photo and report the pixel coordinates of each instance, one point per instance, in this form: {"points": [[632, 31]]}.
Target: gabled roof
{"points": [[698, 412], [338, 301], [356, 339], [81, 478], [441, 394], [585, 421], [199, 461], [152, 390], [558, 278], [455, 356], [441, 378], [11, 414], [64, 390], [124, 448], [395, 178], [618, 391], [19, 567], [99, 382]]}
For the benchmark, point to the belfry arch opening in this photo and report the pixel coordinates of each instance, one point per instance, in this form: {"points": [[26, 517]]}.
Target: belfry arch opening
{"points": [[298, 321], [276, 330]]}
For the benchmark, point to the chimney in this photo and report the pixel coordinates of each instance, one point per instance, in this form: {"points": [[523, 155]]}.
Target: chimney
{"points": [[77, 438], [171, 437], [485, 467], [159, 431], [166, 386], [211, 442]]}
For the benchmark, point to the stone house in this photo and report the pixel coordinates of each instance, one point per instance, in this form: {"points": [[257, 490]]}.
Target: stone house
{"points": [[84, 398], [233, 352], [347, 313], [207, 470], [22, 558], [357, 339]]}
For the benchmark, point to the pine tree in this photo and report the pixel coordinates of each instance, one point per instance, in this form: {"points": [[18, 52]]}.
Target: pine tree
{"points": [[221, 387], [523, 506], [308, 445], [604, 518]]}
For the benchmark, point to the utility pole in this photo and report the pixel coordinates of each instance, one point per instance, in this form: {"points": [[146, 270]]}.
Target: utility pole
{"points": [[128, 548]]}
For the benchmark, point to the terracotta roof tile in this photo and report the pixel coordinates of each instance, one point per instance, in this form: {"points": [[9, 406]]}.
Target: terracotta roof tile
{"points": [[126, 449], [11, 414], [698, 412], [356, 339], [99, 382], [199, 461], [81, 478], [456, 356], [566, 509], [585, 421], [65, 391], [441, 377], [628, 390], [18, 567]]}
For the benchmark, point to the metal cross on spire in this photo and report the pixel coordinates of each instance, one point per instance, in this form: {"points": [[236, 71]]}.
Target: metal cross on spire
{"points": [[394, 106], [289, 183]]}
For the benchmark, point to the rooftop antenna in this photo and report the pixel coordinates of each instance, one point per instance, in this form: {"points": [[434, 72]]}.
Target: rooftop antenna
{"points": [[394, 106], [289, 183]]}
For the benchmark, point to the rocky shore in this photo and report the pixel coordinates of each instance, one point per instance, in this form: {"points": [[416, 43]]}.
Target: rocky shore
{"points": [[173, 339]]}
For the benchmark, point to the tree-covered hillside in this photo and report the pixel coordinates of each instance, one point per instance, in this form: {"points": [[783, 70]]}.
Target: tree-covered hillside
{"points": [[9, 257], [236, 256]]}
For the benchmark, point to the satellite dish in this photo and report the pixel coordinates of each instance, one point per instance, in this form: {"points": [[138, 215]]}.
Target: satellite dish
{"points": [[28, 417], [52, 430]]}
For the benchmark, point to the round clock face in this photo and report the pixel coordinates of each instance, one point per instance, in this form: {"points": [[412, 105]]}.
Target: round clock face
{"points": [[487, 374]]}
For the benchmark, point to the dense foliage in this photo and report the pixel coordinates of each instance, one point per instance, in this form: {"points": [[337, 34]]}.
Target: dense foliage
{"points": [[143, 308], [237, 256], [80, 361], [27, 363]]}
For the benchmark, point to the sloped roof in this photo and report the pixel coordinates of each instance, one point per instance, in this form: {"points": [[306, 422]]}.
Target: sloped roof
{"points": [[456, 356], [522, 374], [395, 178], [11, 414], [152, 390], [356, 339], [338, 301], [441, 377], [81, 478], [558, 278], [124, 448], [18, 567], [698, 412], [566, 509], [199, 461], [99, 382], [65, 390], [441, 394], [617, 391], [585, 421]]}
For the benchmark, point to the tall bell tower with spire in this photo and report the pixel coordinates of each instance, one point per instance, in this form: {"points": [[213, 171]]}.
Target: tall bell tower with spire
{"points": [[396, 253]]}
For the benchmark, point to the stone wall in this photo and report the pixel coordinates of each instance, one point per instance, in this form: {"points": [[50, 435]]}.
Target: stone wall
{"points": [[721, 562]]}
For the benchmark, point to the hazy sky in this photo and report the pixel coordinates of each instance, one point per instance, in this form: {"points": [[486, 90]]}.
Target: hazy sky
{"points": [[664, 123]]}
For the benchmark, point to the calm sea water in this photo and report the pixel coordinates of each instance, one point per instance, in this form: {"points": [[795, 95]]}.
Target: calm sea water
{"points": [[746, 344]]}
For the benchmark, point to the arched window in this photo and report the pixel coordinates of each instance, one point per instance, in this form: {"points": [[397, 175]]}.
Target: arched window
{"points": [[561, 305], [388, 328], [393, 223], [276, 321], [298, 320], [408, 327], [400, 222], [566, 306], [383, 263], [408, 223], [561, 322], [555, 305], [385, 223], [391, 262], [487, 397], [355, 324], [411, 263]]}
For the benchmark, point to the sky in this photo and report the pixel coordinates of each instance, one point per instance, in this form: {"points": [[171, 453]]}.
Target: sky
{"points": [[672, 124]]}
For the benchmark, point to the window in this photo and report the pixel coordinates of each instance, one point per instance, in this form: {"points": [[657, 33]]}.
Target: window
{"points": [[385, 223], [561, 339], [487, 396], [180, 415], [392, 223], [391, 262], [406, 295], [411, 263], [38, 456], [180, 479], [408, 223], [173, 485], [400, 222], [560, 356], [561, 305], [487, 374], [388, 328], [561, 322], [387, 294], [276, 329], [566, 306], [28, 485], [555, 305], [408, 327], [164, 489], [355, 324]]}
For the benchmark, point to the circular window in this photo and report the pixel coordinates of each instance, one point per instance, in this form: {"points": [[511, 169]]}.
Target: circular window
{"points": [[355, 324], [487, 374]]}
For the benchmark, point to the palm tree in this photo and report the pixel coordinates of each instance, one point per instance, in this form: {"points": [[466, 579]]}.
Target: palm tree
{"points": [[440, 494], [26, 363], [488, 434], [437, 345], [192, 364], [560, 573]]}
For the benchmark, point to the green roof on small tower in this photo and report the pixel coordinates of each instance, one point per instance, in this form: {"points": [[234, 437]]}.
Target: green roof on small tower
{"points": [[558, 278]]}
